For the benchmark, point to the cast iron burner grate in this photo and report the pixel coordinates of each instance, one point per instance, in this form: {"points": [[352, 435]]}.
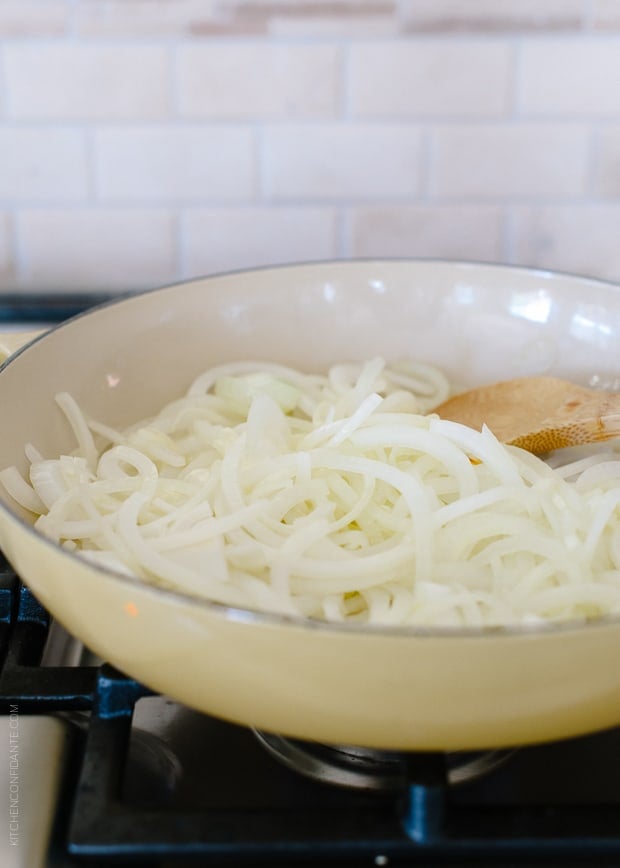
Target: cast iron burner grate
{"points": [[362, 768], [422, 824]]}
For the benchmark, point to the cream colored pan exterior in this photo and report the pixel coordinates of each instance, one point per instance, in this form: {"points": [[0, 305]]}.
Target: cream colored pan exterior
{"points": [[388, 689]]}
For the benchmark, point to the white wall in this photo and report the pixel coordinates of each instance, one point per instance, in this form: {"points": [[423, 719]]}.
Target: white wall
{"points": [[143, 141]]}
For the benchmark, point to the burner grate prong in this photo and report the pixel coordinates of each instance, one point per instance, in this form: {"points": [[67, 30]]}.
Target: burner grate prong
{"points": [[425, 803]]}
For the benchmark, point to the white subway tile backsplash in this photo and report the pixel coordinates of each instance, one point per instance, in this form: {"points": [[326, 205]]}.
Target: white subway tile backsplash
{"points": [[303, 18], [146, 140], [506, 160], [580, 239], [46, 164], [605, 14], [162, 164], [258, 80], [66, 81], [220, 239], [226, 18], [144, 18], [452, 232], [22, 18], [430, 77], [606, 181], [353, 161], [370, 18], [96, 249], [570, 77], [505, 16]]}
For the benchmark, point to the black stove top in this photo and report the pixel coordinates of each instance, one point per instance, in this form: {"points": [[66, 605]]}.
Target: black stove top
{"points": [[206, 791], [47, 307]]}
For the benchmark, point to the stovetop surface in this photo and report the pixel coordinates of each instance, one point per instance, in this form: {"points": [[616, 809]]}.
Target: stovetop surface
{"points": [[224, 765]]}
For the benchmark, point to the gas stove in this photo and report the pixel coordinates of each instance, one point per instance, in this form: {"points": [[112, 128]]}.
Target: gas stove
{"points": [[101, 771]]}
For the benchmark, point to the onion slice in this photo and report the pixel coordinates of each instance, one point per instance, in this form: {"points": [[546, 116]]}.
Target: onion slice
{"points": [[335, 497]]}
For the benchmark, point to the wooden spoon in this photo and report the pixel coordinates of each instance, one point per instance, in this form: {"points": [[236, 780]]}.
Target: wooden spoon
{"points": [[538, 413]]}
